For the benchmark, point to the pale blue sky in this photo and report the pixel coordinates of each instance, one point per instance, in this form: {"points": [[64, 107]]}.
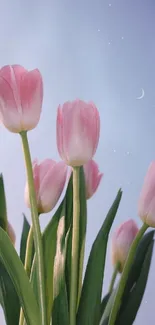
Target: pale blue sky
{"points": [[97, 50]]}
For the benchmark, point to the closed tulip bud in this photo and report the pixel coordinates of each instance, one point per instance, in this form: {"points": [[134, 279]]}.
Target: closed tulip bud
{"points": [[78, 128], [121, 242], [21, 95], [11, 233], [92, 178], [146, 205], [49, 181]]}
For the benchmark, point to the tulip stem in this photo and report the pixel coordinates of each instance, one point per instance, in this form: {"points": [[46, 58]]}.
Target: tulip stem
{"points": [[27, 266], [115, 272], [75, 247], [36, 229], [124, 277]]}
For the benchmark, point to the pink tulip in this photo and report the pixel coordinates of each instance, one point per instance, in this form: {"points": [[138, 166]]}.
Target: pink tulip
{"points": [[49, 181], [21, 95], [78, 128], [121, 242], [146, 206], [11, 233], [92, 178]]}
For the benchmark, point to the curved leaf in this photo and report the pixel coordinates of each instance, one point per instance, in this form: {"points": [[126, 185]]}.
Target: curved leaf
{"points": [[128, 313], [15, 269], [89, 307], [132, 282], [137, 264]]}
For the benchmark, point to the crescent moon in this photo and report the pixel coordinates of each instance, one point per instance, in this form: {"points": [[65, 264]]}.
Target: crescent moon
{"points": [[142, 95]]}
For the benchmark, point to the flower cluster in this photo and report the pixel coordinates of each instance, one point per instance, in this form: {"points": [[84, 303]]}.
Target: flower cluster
{"points": [[52, 278]]}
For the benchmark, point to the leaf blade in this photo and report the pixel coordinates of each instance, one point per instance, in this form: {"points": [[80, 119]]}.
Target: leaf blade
{"points": [[89, 308], [20, 280]]}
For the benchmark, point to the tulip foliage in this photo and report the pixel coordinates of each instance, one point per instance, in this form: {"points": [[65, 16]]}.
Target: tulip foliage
{"points": [[46, 283]]}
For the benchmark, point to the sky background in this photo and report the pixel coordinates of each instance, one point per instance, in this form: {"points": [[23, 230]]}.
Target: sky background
{"points": [[94, 50]]}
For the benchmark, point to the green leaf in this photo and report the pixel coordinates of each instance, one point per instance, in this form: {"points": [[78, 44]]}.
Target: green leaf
{"points": [[137, 264], [82, 230], [8, 298], [60, 304], [133, 279], [49, 248], [89, 308], [25, 231], [3, 209], [108, 307], [15, 269], [130, 308], [104, 302]]}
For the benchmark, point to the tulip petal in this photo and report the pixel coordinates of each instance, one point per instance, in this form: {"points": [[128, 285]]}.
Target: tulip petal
{"points": [[21, 94], [146, 204], [77, 131]]}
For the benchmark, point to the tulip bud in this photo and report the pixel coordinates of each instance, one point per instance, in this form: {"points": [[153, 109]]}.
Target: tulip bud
{"points": [[121, 242], [78, 127], [49, 181], [146, 205], [11, 233], [92, 178], [21, 95]]}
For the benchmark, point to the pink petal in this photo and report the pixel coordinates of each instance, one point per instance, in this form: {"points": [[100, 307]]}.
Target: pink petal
{"points": [[76, 132]]}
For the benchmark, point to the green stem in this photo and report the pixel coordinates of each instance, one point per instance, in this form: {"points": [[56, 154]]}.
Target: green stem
{"points": [[75, 247], [36, 229], [115, 272], [124, 277], [28, 259]]}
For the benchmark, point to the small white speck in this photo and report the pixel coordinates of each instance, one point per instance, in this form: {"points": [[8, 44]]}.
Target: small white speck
{"points": [[109, 43], [122, 37], [109, 4], [98, 30], [146, 301], [114, 150], [128, 153]]}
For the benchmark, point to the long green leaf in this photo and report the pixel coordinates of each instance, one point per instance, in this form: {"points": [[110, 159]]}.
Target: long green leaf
{"points": [[15, 269], [128, 312], [3, 209], [8, 296], [133, 279], [137, 264], [89, 308], [49, 248]]}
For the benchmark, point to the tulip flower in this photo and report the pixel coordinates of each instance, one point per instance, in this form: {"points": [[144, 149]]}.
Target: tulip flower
{"points": [[21, 95], [92, 178], [78, 128], [49, 180], [146, 205], [121, 242], [11, 233]]}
